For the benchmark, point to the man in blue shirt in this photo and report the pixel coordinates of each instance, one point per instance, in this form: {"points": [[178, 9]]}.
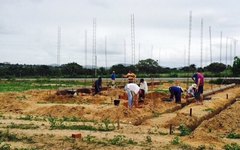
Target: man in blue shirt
{"points": [[113, 77], [176, 91]]}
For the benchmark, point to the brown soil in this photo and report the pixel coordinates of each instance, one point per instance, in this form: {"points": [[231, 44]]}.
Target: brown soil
{"points": [[152, 118]]}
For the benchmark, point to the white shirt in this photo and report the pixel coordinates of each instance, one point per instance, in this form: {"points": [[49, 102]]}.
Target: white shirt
{"points": [[191, 90], [133, 87], [144, 86]]}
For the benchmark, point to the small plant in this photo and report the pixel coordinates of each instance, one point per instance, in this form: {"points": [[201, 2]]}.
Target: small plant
{"points": [[232, 146], [27, 117], [233, 136], [148, 139], [132, 142], [201, 147], [118, 140], [5, 146], [175, 140], [89, 139], [184, 130], [209, 110], [22, 126]]}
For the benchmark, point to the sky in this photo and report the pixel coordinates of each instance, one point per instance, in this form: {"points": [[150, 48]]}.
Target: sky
{"points": [[29, 31]]}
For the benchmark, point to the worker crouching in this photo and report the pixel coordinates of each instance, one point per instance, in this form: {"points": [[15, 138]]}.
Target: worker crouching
{"points": [[133, 91]]}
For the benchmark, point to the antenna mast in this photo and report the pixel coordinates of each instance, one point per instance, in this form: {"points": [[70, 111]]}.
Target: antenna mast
{"points": [[201, 64], [133, 39], [58, 46]]}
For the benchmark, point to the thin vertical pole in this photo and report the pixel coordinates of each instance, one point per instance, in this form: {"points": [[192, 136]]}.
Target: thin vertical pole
{"points": [[85, 82], [94, 63], [189, 45], [221, 47], [58, 46], [125, 50], [201, 48], [106, 52], [139, 52], [226, 51], [133, 38], [210, 44]]}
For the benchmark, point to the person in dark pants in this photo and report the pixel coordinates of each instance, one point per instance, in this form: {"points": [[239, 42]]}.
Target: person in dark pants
{"points": [[176, 91], [198, 78], [98, 85]]}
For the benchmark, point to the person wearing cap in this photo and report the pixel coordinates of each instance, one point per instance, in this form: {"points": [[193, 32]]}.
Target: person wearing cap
{"points": [[131, 76], [133, 91], [176, 91], [191, 92]]}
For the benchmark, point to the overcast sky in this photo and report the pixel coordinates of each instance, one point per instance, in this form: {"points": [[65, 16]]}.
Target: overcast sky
{"points": [[29, 29]]}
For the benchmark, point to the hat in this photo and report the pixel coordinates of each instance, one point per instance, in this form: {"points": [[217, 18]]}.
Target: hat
{"points": [[194, 85]]}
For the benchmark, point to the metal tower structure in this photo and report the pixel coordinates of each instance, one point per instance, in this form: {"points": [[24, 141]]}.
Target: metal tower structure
{"points": [[226, 50], [58, 46], [210, 43], [106, 51], [94, 53], [221, 47], [133, 38], [125, 50], [189, 45], [139, 52], [85, 48], [201, 47]]}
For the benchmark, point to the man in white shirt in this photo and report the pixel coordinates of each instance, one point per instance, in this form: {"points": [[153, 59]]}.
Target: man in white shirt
{"points": [[144, 89], [133, 91]]}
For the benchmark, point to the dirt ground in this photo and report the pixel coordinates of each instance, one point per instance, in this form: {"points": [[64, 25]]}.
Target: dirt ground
{"points": [[143, 127]]}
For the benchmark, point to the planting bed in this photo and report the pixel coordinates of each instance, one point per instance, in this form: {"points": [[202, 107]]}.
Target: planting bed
{"points": [[45, 120]]}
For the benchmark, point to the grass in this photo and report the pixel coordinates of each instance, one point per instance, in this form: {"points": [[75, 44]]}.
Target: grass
{"points": [[232, 146], [233, 136], [22, 126], [118, 140], [184, 130], [24, 85], [6, 136], [105, 125]]}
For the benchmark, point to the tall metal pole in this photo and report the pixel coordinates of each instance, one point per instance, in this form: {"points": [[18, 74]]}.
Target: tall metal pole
{"points": [[226, 50], [106, 52], [85, 48], [159, 56], [139, 52], [125, 50], [152, 52], [231, 58], [94, 53], [221, 47], [133, 38], [189, 44], [59, 46], [210, 44], [201, 48]]}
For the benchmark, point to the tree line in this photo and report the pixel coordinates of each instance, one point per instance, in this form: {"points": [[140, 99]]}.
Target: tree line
{"points": [[144, 68]]}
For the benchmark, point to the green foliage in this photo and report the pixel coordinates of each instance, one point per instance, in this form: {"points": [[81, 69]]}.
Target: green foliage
{"points": [[184, 130], [118, 140], [148, 139], [215, 67], [5, 146], [201, 147], [22, 126], [233, 136], [236, 66], [175, 141], [232, 146], [209, 110]]}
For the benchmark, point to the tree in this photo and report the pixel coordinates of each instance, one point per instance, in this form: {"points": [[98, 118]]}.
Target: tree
{"points": [[149, 66], [215, 67], [236, 66], [72, 69]]}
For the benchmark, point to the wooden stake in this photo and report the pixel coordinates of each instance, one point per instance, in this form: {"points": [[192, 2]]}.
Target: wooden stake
{"points": [[170, 129], [226, 96], [190, 111]]}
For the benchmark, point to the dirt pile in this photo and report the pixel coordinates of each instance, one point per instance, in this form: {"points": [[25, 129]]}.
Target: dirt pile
{"points": [[13, 102], [59, 111]]}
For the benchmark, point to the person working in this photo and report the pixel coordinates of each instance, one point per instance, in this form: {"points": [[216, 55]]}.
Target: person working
{"points": [[131, 77], [198, 78], [113, 77], [144, 90], [98, 85], [192, 92], [133, 91], [175, 91]]}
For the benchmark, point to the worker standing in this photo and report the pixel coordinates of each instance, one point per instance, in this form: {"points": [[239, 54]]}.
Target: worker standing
{"points": [[144, 90], [98, 85], [113, 78], [198, 78], [131, 77]]}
